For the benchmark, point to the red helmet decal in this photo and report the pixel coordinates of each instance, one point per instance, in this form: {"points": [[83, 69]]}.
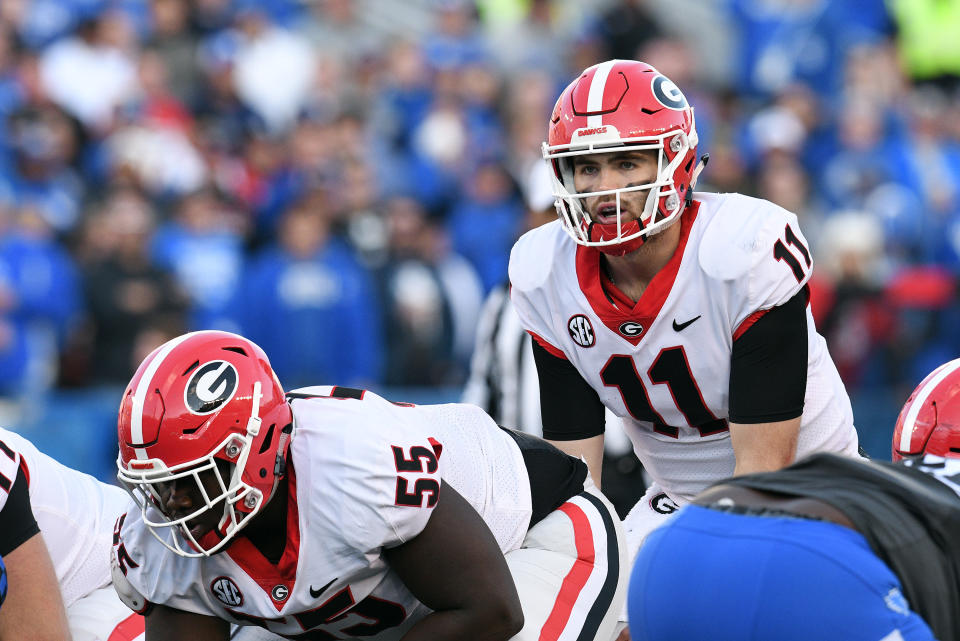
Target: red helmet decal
{"points": [[597, 93]]}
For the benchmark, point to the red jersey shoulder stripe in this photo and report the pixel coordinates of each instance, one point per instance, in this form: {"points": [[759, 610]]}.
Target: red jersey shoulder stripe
{"points": [[555, 351]]}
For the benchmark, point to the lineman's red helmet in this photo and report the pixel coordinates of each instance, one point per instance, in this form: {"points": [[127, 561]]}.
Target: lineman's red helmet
{"points": [[201, 398]]}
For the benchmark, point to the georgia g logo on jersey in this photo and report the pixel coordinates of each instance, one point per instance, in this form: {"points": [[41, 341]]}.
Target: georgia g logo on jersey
{"points": [[212, 385], [630, 329]]}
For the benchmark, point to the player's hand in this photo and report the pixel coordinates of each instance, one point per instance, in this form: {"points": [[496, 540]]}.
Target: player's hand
{"points": [[625, 635]]}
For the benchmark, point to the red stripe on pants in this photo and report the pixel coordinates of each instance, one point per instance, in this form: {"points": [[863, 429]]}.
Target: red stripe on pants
{"points": [[577, 576], [128, 629]]}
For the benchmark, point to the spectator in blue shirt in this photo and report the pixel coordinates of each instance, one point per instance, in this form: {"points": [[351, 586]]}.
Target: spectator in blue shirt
{"points": [[782, 41], [203, 247], [485, 224], [38, 303], [45, 142], [309, 302]]}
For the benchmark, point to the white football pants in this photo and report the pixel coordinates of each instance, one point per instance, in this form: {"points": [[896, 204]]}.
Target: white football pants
{"points": [[571, 572], [652, 510], [102, 616]]}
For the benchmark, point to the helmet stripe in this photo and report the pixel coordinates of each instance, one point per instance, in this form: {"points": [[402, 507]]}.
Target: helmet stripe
{"points": [[597, 88], [926, 389], [136, 418]]}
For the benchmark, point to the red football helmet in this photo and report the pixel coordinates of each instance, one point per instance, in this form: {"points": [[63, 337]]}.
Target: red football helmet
{"points": [[611, 105], [929, 423], [197, 399]]}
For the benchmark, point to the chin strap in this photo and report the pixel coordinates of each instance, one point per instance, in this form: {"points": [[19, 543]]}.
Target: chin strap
{"points": [[704, 159], [596, 232], [253, 429], [254, 424], [280, 466]]}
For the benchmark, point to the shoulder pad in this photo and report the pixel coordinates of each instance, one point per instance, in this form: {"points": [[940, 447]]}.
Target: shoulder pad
{"points": [[125, 590], [532, 255], [740, 232]]}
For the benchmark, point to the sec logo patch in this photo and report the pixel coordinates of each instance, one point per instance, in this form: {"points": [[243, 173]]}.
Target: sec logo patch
{"points": [[581, 330], [226, 591]]}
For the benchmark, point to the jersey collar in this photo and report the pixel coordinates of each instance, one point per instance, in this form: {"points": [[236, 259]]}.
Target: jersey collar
{"points": [[627, 320], [267, 575]]}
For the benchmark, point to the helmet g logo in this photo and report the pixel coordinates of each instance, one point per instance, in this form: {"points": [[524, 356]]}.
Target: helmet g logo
{"points": [[668, 94], [210, 387]]}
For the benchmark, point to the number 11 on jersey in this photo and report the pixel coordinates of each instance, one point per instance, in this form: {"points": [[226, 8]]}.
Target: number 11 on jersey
{"points": [[670, 367]]}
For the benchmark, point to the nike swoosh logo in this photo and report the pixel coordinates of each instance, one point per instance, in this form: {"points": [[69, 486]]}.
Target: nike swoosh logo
{"points": [[316, 593], [679, 327]]}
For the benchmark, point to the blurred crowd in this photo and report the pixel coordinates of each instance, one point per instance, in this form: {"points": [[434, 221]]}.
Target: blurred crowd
{"points": [[342, 180]]}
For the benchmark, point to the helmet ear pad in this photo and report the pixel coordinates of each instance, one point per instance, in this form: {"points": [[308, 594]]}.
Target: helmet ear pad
{"points": [[277, 425]]}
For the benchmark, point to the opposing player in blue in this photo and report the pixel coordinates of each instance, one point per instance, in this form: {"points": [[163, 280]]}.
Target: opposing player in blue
{"points": [[831, 548]]}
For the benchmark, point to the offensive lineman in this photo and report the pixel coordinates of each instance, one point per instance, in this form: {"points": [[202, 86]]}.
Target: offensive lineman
{"points": [[831, 548], [684, 313], [332, 513], [56, 526]]}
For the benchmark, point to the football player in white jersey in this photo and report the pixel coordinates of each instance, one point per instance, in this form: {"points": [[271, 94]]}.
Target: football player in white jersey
{"points": [[684, 313], [56, 530], [832, 548], [332, 513]]}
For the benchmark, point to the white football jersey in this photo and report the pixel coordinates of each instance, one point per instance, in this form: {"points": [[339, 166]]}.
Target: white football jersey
{"points": [[366, 475], [75, 512], [664, 365]]}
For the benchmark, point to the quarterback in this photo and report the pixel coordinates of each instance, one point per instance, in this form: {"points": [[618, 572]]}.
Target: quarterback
{"points": [[831, 548], [56, 529], [685, 313], [331, 513]]}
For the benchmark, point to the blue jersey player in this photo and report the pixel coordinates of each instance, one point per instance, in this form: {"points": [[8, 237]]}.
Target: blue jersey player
{"points": [[830, 548]]}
